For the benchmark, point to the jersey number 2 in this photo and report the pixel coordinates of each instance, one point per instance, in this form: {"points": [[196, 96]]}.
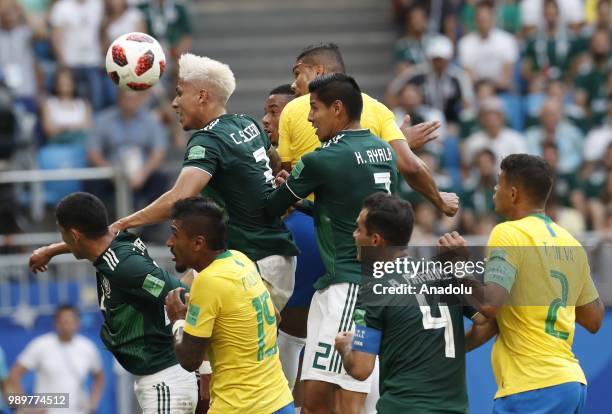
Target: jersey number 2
{"points": [[553, 309], [260, 304], [444, 321], [262, 155]]}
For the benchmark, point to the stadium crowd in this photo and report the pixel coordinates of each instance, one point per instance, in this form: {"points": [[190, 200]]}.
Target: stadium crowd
{"points": [[501, 76]]}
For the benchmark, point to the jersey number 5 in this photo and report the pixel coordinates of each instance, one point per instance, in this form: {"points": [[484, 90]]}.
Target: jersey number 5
{"points": [[262, 155], [444, 321], [260, 304]]}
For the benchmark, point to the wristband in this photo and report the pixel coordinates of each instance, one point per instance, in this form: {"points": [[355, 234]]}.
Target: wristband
{"points": [[205, 368], [178, 325]]}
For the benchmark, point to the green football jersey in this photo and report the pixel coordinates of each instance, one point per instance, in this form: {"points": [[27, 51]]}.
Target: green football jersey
{"points": [[341, 173], [131, 292], [422, 350], [233, 150]]}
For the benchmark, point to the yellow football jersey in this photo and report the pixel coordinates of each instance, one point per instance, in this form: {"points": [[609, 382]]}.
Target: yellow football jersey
{"points": [[547, 273], [230, 305], [297, 136]]}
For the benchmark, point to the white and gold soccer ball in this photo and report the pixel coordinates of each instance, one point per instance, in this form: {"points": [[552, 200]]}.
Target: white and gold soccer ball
{"points": [[135, 61]]}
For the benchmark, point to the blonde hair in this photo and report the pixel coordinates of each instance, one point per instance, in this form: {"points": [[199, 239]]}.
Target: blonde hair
{"points": [[215, 73]]}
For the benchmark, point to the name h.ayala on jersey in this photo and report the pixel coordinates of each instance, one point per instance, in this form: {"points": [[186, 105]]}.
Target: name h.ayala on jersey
{"points": [[374, 156]]}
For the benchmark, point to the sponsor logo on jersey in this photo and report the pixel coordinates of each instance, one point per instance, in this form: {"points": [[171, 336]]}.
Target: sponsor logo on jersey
{"points": [[153, 285], [106, 289], [196, 152], [193, 313]]}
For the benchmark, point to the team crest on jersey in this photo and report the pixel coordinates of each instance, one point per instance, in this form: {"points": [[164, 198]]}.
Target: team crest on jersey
{"points": [[196, 152], [106, 288]]}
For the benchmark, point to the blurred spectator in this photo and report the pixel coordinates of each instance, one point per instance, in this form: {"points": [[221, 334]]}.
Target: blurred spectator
{"points": [[9, 210], [62, 362], [548, 52], [532, 13], [594, 79], [566, 190], [17, 61], [555, 128], [411, 103], [555, 90], [426, 224], [3, 375], [75, 37], [443, 86], [495, 136], [120, 18], [478, 190], [489, 53], [596, 177], [598, 139], [129, 136], [409, 50], [468, 117], [168, 21], [65, 117], [507, 16]]}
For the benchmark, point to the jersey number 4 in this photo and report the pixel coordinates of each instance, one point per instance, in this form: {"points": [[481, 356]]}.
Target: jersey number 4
{"points": [[444, 321]]}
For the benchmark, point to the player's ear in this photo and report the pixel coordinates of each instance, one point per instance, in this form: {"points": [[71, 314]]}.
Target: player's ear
{"points": [[319, 70], [200, 243], [203, 96], [75, 234], [337, 107]]}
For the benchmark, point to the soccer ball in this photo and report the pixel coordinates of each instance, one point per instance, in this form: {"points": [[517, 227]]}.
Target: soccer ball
{"points": [[135, 61]]}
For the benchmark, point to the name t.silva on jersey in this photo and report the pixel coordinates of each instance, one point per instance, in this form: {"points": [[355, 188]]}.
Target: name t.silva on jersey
{"points": [[424, 289]]}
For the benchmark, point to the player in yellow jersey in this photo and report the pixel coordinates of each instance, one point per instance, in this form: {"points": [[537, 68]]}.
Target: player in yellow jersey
{"points": [[537, 285], [229, 315]]}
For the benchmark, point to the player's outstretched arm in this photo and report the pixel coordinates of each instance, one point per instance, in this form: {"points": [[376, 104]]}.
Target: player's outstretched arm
{"points": [[190, 182], [480, 332], [591, 315], [40, 258], [417, 175], [358, 364]]}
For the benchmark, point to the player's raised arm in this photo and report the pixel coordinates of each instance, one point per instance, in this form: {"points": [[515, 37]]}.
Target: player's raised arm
{"points": [[480, 332], [418, 176], [189, 183], [358, 356], [40, 258]]}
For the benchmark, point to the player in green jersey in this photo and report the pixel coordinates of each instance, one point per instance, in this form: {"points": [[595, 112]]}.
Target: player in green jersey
{"points": [[228, 155], [350, 165], [131, 292], [419, 338]]}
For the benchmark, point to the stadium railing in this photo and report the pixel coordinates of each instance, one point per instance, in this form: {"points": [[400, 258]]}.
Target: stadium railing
{"points": [[123, 198]]}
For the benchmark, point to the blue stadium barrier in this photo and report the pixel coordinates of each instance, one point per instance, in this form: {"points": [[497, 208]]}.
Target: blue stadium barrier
{"points": [[56, 156]]}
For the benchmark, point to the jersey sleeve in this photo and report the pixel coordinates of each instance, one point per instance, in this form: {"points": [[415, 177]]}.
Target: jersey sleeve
{"points": [[141, 277], [368, 328], [588, 293], [388, 129], [205, 303], [503, 257], [305, 177], [204, 152], [284, 135]]}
